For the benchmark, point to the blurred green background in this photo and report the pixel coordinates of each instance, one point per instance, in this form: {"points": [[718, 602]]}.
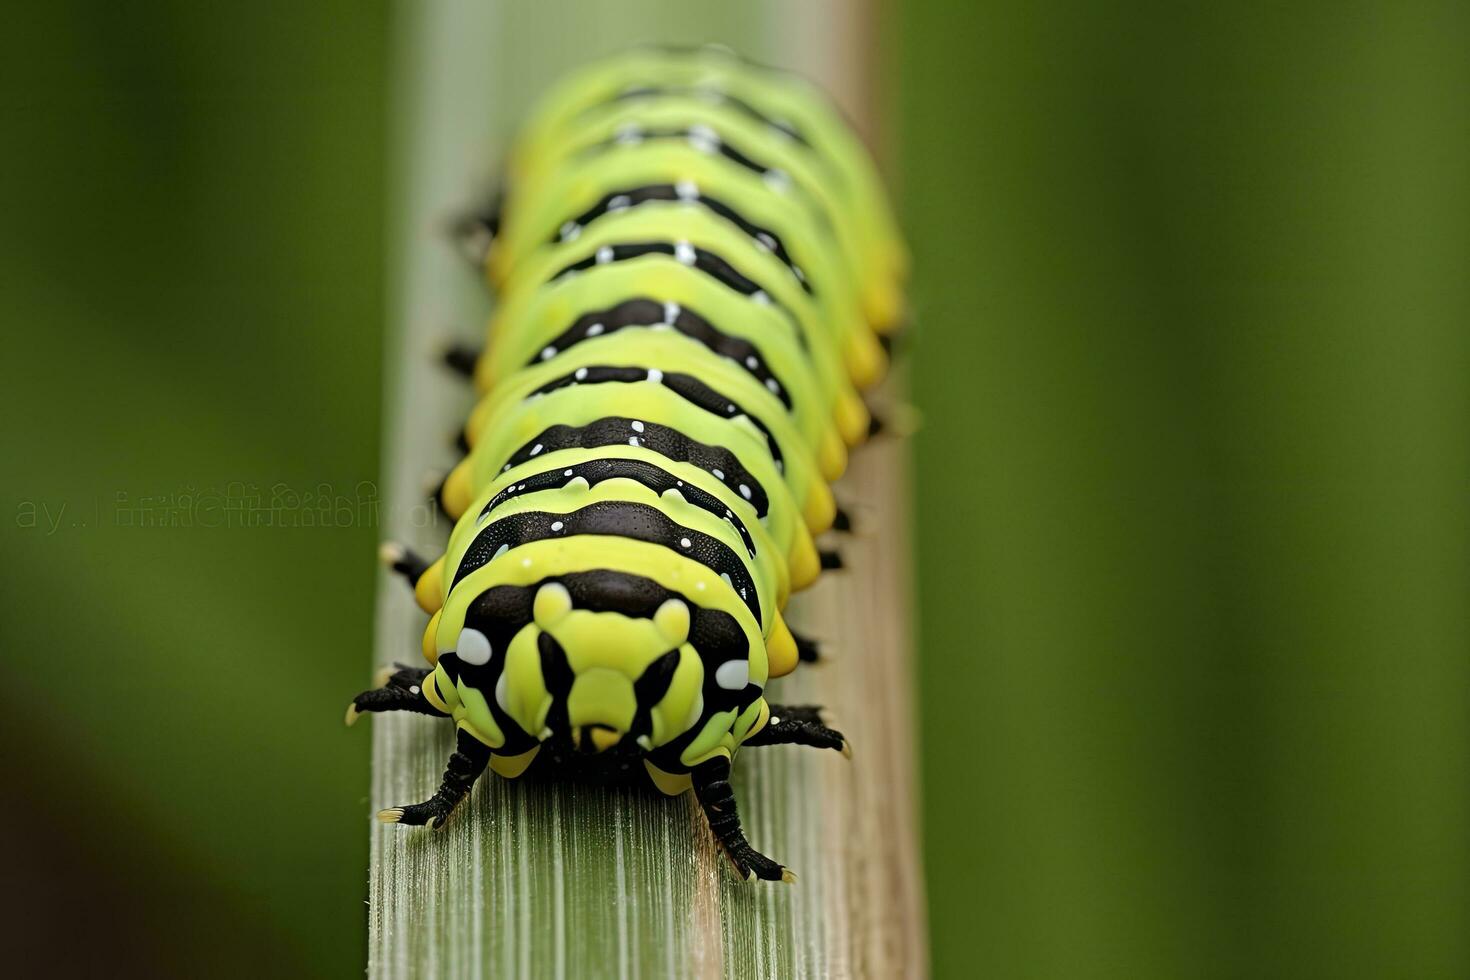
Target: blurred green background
{"points": [[1191, 489]]}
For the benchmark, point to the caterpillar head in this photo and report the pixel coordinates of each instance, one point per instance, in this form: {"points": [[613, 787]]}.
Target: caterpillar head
{"points": [[605, 669], [597, 668]]}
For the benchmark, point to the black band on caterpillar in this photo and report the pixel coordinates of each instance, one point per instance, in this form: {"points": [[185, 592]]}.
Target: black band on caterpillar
{"points": [[594, 471], [639, 522], [612, 430], [717, 96], [503, 610], [705, 261], [686, 386], [647, 312], [689, 193], [706, 140]]}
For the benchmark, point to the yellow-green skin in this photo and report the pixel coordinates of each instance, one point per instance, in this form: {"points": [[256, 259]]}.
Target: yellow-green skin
{"points": [[784, 97], [818, 339]]}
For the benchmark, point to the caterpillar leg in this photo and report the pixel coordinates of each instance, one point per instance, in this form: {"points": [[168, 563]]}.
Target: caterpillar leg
{"points": [[899, 420], [831, 559], [475, 232], [841, 519], [398, 690], [800, 724], [470, 758], [712, 788], [896, 340], [808, 650], [462, 358], [405, 561]]}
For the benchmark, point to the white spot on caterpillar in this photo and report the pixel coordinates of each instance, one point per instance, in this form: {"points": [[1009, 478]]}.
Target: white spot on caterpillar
{"points": [[744, 491], [719, 474], [628, 134], [604, 255], [595, 330], [671, 312], [637, 426], [796, 271], [413, 689], [500, 551], [566, 472], [557, 525], [704, 139], [655, 375], [760, 297], [752, 362], [581, 374], [777, 180], [732, 407], [570, 230], [632, 440], [684, 252], [537, 448], [686, 190], [772, 386], [725, 577], [619, 203], [733, 675], [547, 353], [766, 240], [685, 543], [473, 647]]}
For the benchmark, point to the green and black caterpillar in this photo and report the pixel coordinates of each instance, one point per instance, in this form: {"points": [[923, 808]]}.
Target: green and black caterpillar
{"points": [[696, 270]]}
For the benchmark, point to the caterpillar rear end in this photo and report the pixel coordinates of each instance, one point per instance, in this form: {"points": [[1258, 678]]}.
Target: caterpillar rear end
{"points": [[696, 271]]}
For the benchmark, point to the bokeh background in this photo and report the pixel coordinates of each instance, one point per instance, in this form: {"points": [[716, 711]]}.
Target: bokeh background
{"points": [[1190, 489]]}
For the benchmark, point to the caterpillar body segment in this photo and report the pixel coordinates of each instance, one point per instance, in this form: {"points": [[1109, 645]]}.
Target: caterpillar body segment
{"points": [[700, 180], [682, 259], [694, 267], [792, 109]]}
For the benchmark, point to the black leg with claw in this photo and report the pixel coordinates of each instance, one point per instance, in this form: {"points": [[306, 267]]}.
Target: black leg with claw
{"points": [[470, 758], [401, 689], [712, 787], [799, 724], [405, 561]]}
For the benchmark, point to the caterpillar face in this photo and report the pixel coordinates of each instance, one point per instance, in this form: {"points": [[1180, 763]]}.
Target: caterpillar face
{"points": [[603, 664]]}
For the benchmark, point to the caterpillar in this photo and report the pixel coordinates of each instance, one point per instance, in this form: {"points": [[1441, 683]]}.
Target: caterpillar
{"points": [[696, 269]]}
